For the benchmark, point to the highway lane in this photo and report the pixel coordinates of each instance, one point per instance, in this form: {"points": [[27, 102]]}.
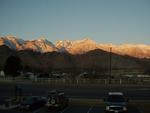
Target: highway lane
{"points": [[78, 91]]}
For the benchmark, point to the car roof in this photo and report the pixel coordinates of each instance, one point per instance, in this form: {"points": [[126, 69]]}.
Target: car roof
{"points": [[56, 92], [115, 93], [31, 97]]}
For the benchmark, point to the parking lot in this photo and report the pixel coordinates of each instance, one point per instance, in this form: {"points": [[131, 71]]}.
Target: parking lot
{"points": [[85, 99], [70, 109]]}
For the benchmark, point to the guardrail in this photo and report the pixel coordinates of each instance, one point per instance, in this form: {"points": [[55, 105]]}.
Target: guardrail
{"points": [[139, 81]]}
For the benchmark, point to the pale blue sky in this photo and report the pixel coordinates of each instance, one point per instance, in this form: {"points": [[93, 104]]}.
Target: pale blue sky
{"points": [[105, 21]]}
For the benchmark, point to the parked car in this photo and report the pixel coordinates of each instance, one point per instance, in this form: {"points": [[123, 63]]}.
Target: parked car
{"points": [[32, 102], [57, 99], [4, 101], [116, 103], [8, 103]]}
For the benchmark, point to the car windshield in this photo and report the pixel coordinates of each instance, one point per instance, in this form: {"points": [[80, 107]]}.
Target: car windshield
{"points": [[116, 98]]}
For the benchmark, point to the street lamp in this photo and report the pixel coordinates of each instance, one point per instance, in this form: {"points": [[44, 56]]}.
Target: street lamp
{"points": [[110, 65]]}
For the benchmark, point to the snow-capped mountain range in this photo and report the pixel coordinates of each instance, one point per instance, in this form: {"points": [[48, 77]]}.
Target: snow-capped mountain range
{"points": [[74, 47]]}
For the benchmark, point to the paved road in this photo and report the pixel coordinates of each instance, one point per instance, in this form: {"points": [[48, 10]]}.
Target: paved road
{"points": [[70, 109], [82, 91]]}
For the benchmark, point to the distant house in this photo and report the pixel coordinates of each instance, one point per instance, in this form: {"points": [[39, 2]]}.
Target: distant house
{"points": [[2, 74]]}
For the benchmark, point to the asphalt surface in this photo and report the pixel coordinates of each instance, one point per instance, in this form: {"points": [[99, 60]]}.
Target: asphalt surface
{"points": [[77, 91], [69, 109]]}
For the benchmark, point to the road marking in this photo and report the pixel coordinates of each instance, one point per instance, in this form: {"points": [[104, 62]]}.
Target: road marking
{"points": [[90, 109], [64, 110]]}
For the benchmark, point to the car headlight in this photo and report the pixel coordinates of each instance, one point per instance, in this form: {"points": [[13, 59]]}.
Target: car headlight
{"points": [[125, 108], [107, 107]]}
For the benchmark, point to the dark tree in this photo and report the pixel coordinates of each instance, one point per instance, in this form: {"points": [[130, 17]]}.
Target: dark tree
{"points": [[13, 66]]}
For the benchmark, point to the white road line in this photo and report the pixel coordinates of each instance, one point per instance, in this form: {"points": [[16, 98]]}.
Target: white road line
{"points": [[64, 110], [90, 109]]}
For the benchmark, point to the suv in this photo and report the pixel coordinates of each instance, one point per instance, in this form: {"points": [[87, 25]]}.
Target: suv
{"points": [[56, 99], [116, 103], [32, 102]]}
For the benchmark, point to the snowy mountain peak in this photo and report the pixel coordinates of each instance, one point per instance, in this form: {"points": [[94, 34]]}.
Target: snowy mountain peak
{"points": [[14, 38], [42, 39], [40, 45], [45, 41], [82, 46], [64, 45], [74, 47], [12, 42]]}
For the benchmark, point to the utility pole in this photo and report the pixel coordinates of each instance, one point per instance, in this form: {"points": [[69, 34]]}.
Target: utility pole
{"points": [[110, 64]]}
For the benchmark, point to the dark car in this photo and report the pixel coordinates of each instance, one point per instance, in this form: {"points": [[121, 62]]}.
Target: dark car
{"points": [[57, 99], [32, 102], [116, 103], [6, 102]]}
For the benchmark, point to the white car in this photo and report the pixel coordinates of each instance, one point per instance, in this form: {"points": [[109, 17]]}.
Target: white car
{"points": [[116, 103]]}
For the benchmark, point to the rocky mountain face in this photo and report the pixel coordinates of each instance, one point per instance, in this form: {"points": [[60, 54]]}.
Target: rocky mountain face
{"points": [[97, 60], [12, 42], [74, 47], [40, 45]]}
